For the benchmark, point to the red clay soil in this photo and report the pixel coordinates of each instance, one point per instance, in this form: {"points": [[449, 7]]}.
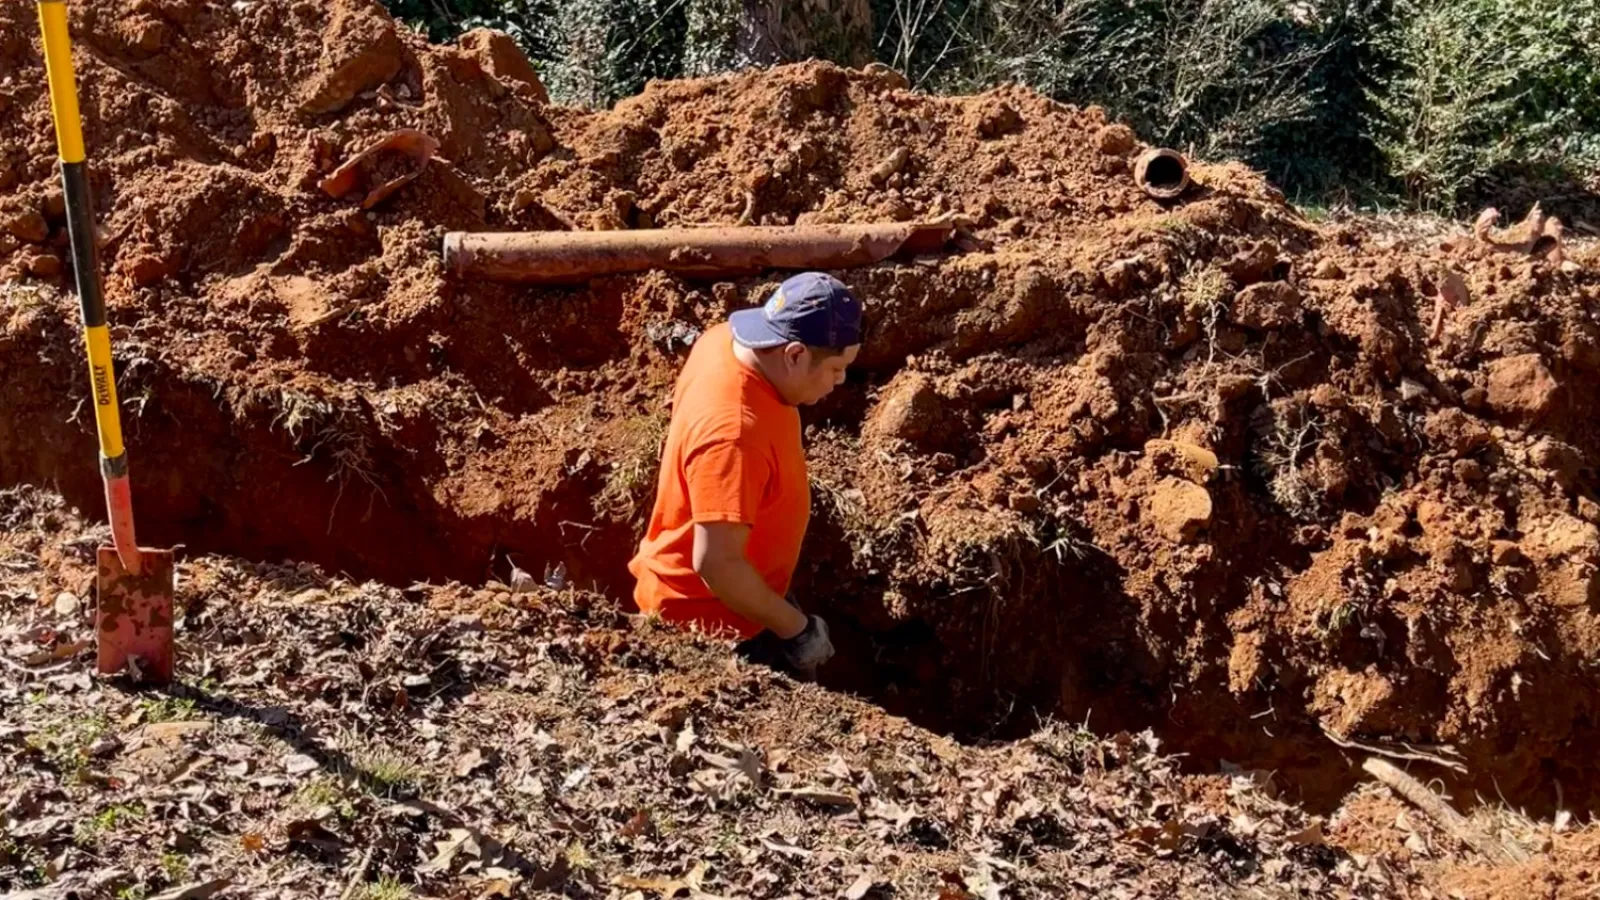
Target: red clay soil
{"points": [[1196, 466]]}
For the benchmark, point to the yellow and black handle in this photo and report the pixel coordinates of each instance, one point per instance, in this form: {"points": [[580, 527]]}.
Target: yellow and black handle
{"points": [[86, 263]]}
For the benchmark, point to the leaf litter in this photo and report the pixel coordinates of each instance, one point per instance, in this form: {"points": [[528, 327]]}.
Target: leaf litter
{"points": [[540, 761]]}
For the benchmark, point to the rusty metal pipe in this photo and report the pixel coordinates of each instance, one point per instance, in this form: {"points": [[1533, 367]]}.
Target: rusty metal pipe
{"points": [[557, 257], [1162, 173]]}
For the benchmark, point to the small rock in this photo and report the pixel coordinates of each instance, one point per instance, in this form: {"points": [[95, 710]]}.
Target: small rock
{"points": [[1521, 388], [1467, 471], [55, 207], [1180, 510], [1268, 306], [1411, 390], [1475, 398], [67, 603], [1116, 140]]}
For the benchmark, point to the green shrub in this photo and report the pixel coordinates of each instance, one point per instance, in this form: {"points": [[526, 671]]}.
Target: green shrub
{"points": [[1483, 90]]}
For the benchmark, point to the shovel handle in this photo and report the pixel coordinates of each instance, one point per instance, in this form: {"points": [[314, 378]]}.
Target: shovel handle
{"points": [[86, 265]]}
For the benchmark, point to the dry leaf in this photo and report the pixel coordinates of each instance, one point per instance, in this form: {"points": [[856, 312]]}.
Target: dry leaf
{"points": [[460, 839], [198, 891], [416, 807], [670, 887], [1309, 836], [497, 887], [639, 824], [469, 762], [311, 833], [777, 843], [251, 842], [819, 796], [300, 764], [861, 886], [64, 651]]}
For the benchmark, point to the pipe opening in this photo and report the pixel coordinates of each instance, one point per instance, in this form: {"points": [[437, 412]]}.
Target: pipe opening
{"points": [[1162, 173]]}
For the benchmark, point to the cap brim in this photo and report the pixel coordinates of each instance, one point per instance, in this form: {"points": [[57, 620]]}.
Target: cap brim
{"points": [[751, 329]]}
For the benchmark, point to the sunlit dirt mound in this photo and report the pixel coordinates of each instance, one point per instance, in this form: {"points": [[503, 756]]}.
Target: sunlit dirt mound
{"points": [[1199, 465]]}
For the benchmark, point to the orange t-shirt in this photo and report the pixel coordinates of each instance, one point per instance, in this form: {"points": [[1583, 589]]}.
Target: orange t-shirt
{"points": [[733, 454]]}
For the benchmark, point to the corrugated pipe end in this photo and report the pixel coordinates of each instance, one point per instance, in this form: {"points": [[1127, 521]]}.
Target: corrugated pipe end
{"points": [[1162, 173]]}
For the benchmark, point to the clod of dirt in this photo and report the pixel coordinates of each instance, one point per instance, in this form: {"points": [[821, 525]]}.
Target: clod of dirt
{"points": [[910, 410], [361, 50], [1455, 432], [28, 225], [1267, 306], [500, 56], [1259, 262], [1190, 461], [891, 164], [44, 265], [1328, 270], [997, 120], [1563, 537], [1521, 388], [887, 77], [1116, 140], [1122, 275], [1560, 459], [145, 269], [1180, 509]]}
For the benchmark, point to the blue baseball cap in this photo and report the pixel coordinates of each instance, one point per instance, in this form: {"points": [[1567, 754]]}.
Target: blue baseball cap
{"points": [[813, 308]]}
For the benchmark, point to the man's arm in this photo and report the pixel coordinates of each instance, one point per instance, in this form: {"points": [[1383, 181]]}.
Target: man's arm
{"points": [[720, 561]]}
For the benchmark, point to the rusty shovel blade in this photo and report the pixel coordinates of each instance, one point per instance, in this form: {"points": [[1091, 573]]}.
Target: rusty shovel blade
{"points": [[133, 617]]}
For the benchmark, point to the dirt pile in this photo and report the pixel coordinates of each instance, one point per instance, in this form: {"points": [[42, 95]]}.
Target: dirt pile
{"points": [[1197, 465]]}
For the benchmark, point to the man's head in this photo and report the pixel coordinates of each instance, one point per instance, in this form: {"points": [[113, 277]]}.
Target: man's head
{"points": [[805, 336]]}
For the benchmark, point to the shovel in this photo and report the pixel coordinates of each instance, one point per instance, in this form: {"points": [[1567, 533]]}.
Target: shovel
{"points": [[133, 618]]}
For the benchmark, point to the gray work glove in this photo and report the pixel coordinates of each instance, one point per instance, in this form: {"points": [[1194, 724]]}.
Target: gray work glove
{"points": [[811, 648]]}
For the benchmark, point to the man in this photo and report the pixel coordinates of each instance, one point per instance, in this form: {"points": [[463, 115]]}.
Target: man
{"points": [[733, 499]]}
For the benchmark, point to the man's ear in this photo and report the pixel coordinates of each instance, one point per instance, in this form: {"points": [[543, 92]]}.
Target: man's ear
{"points": [[794, 351]]}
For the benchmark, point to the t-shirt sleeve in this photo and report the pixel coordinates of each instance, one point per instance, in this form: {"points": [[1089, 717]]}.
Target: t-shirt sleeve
{"points": [[727, 477]]}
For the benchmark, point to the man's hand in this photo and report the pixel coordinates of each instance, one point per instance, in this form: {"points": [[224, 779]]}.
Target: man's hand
{"points": [[809, 649]]}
